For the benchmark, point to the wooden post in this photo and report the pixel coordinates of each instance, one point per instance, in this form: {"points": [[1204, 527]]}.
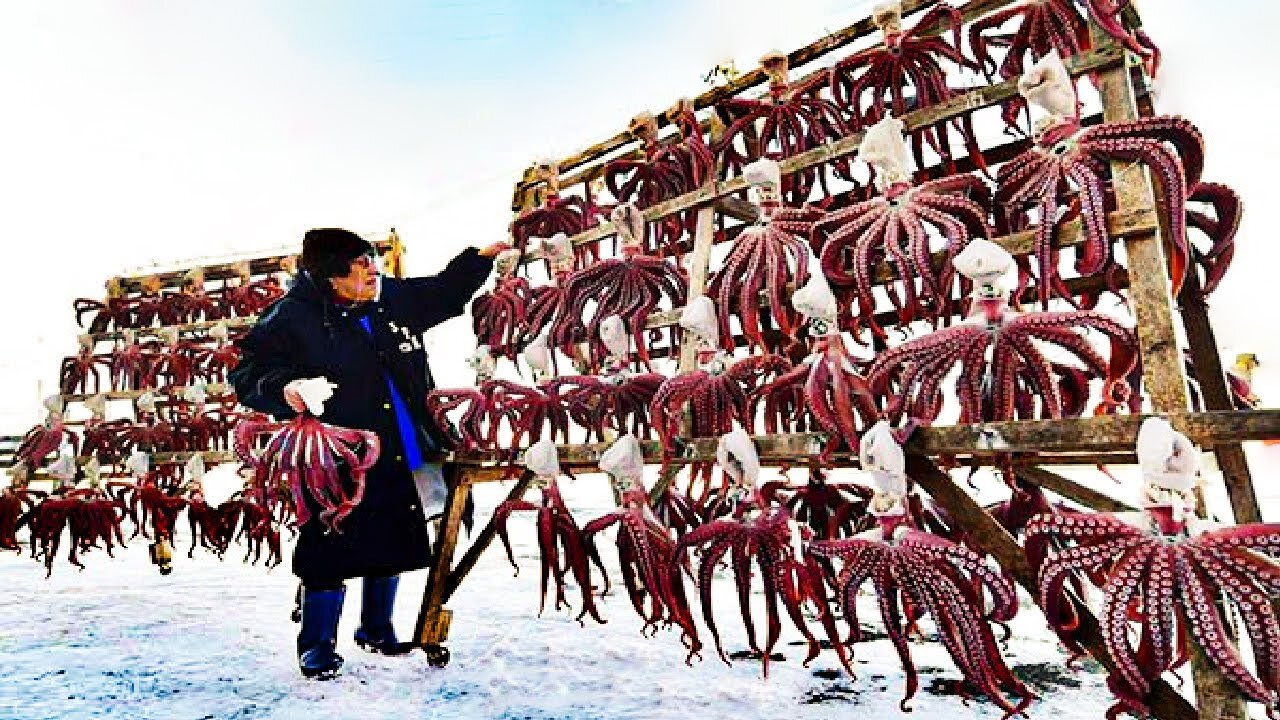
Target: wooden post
{"points": [[481, 543], [1074, 491], [433, 619], [1216, 396], [1162, 366]]}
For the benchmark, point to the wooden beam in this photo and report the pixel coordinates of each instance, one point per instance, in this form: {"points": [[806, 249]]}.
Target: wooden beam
{"points": [[433, 620], [482, 541], [1039, 439], [982, 97], [1213, 389], [987, 534], [1073, 491], [185, 329]]}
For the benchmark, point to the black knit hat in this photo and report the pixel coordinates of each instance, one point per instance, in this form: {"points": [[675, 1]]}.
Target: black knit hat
{"points": [[328, 252]]}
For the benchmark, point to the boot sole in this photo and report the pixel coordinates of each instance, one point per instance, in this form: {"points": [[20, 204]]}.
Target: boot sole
{"points": [[392, 649]]}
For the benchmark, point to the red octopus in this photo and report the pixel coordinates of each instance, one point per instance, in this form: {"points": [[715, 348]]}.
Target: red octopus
{"points": [[1169, 579], [526, 410], [987, 390], [645, 549], [44, 439], [619, 402], [905, 73], [99, 436], [546, 302], [249, 297], [149, 432], [116, 311], [558, 536], [755, 531], [1046, 26], [830, 509], [172, 364], [792, 119], [499, 317], [85, 365], [193, 303], [215, 363], [570, 215], [130, 363], [322, 465], [631, 287], [16, 504], [895, 228], [766, 256], [915, 573], [1067, 155], [665, 171]]}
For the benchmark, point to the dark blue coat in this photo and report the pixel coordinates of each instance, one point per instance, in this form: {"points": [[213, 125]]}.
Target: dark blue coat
{"points": [[306, 335]]}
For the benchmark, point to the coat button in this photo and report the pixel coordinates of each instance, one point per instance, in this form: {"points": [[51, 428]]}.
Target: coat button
{"points": [[399, 458], [386, 406]]}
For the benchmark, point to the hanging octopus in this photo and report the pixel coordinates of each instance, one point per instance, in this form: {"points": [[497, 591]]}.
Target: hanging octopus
{"points": [[830, 509], [792, 119], [152, 305], [1161, 570], [895, 228], [130, 363], [903, 74], [323, 466], [149, 432], [665, 171], [194, 303], [76, 371], [569, 214], [116, 311], [204, 520], [99, 436], [546, 302], [17, 501], [248, 297], [172, 364], [618, 402], [645, 549], [44, 439], [761, 533], [526, 410], [1047, 26], [498, 317], [630, 287], [987, 391], [834, 393], [766, 256], [915, 573], [213, 364], [718, 392], [1065, 155], [558, 534]]}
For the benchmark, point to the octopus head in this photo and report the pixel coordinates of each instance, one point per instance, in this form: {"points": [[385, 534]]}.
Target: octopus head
{"points": [[548, 171], [220, 332], [736, 453], [888, 17], [766, 177], [1047, 85], [624, 462], [629, 222], [193, 279], [644, 127], [776, 66], [151, 284], [816, 301], [699, 318], [146, 402], [53, 405], [138, 464], [558, 250], [538, 356], [93, 471], [983, 262], [115, 288], [195, 469], [129, 335], [97, 405], [168, 335], [504, 266], [242, 271], [613, 333], [542, 459], [85, 340], [195, 394], [885, 150], [63, 470]]}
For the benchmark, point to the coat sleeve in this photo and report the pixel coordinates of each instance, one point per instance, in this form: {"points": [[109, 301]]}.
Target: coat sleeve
{"points": [[429, 301], [266, 366]]}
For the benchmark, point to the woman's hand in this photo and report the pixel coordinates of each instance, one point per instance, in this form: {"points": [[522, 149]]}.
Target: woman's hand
{"points": [[492, 250]]}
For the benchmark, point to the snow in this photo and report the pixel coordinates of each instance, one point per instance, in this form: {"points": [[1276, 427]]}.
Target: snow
{"points": [[214, 640]]}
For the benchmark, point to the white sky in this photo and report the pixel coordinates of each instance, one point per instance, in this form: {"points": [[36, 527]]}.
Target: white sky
{"points": [[149, 131]]}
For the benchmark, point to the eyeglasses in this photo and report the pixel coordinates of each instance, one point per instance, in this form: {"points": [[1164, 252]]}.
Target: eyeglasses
{"points": [[368, 261]]}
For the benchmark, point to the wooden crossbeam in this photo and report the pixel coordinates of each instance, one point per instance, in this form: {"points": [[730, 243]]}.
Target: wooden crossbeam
{"points": [[184, 330], [1073, 491]]}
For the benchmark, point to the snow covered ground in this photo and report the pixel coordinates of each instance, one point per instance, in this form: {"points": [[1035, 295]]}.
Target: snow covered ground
{"points": [[214, 640]]}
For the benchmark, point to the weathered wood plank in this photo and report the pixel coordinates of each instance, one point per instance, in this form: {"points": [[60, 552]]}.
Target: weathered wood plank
{"points": [[483, 540], [185, 329], [433, 620], [1073, 491]]}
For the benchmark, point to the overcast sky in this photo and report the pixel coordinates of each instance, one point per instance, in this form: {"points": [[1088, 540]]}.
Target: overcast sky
{"points": [[143, 132]]}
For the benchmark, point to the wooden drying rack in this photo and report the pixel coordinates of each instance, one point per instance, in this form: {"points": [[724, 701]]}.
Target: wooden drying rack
{"points": [[1035, 445]]}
